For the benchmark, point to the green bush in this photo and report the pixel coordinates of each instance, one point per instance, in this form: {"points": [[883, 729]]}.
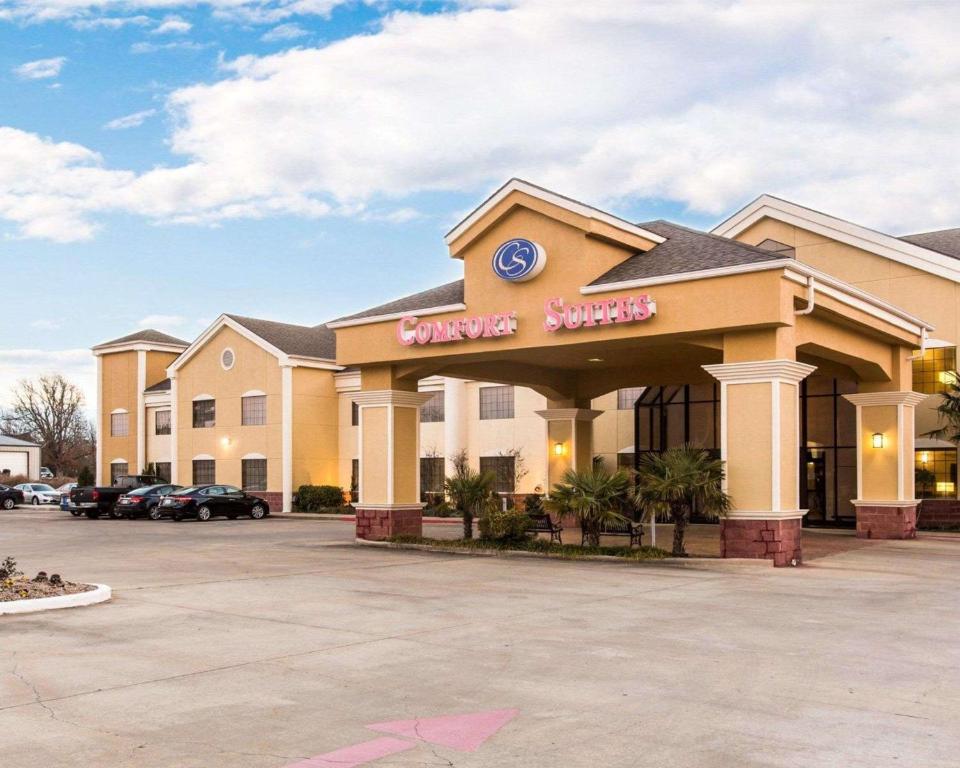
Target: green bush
{"points": [[500, 525], [311, 498], [533, 504]]}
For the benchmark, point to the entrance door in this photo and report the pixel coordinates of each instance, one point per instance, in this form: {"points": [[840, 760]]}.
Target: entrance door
{"points": [[813, 484]]}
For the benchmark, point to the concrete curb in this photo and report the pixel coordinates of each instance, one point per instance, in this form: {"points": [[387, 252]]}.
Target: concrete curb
{"points": [[101, 594], [702, 563], [353, 519]]}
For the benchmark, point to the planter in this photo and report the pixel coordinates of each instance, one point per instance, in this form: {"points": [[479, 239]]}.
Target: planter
{"points": [[100, 594]]}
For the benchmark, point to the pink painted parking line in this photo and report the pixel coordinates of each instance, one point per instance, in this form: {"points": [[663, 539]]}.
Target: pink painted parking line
{"points": [[355, 755], [464, 733]]}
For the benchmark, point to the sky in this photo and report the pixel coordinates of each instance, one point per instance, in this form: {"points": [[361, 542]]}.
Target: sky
{"points": [[163, 161]]}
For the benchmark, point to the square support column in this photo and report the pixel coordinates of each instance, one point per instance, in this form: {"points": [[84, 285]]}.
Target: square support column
{"points": [[572, 430], [389, 448], [886, 505], [760, 448]]}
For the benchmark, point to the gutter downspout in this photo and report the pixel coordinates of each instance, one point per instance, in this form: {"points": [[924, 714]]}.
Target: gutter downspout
{"points": [[811, 297]]}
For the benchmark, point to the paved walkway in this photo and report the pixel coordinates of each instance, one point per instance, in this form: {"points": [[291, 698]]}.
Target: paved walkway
{"points": [[261, 644]]}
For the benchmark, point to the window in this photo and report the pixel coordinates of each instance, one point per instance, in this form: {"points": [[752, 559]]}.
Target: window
{"points": [[627, 397], [503, 469], [935, 473], [432, 410], [431, 477], [355, 480], [253, 411], [227, 359], [162, 423], [496, 402], [254, 474], [933, 373], [119, 424], [162, 468], [204, 413], [118, 469], [204, 471], [354, 415]]}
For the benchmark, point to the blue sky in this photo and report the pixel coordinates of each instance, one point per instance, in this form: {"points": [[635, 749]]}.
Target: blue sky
{"points": [[164, 161]]}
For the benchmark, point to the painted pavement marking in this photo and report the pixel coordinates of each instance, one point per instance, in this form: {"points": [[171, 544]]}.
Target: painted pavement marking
{"points": [[358, 754], [464, 733]]}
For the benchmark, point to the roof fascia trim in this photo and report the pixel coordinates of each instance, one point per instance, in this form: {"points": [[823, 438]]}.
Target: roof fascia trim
{"points": [[398, 315]]}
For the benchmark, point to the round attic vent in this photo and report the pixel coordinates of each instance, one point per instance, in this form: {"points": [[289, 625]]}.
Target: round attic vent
{"points": [[227, 359]]}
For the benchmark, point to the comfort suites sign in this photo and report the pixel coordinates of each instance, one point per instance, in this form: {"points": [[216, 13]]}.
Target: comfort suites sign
{"points": [[519, 260]]}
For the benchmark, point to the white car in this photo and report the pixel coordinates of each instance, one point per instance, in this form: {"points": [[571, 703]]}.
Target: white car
{"points": [[39, 493]]}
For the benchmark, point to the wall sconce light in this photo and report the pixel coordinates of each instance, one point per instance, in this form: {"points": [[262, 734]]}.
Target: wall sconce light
{"points": [[878, 439], [924, 457], [558, 449], [225, 442]]}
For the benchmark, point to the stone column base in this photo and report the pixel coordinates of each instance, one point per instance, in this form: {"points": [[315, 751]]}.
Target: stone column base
{"points": [[886, 519], [777, 540], [377, 523]]}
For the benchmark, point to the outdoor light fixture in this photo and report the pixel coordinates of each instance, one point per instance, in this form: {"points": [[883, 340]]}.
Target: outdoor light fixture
{"points": [[225, 442], [594, 359], [924, 457], [878, 439], [558, 449]]}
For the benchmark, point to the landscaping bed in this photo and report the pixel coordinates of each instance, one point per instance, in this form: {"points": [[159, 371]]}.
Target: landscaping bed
{"points": [[15, 586], [532, 546]]}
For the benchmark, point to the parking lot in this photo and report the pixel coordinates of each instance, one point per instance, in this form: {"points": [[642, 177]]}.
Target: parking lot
{"points": [[264, 643]]}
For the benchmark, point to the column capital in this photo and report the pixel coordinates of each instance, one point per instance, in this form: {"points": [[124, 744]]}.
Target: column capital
{"points": [[886, 398], [391, 397], [758, 371], [573, 414]]}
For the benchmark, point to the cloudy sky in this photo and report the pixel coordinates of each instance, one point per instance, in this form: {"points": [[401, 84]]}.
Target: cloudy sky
{"points": [[162, 161]]}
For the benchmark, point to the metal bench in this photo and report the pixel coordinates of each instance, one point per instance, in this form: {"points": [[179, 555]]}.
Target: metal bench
{"points": [[622, 528], [544, 524]]}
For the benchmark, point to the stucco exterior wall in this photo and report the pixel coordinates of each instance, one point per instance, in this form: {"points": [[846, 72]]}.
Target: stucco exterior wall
{"points": [[118, 390], [316, 419]]}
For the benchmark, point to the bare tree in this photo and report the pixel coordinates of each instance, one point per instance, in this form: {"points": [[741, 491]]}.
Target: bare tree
{"points": [[49, 410]]}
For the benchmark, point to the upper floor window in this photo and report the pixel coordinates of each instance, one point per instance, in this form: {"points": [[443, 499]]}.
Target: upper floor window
{"points": [[119, 424], [162, 423], [627, 397], [253, 410], [432, 410], [204, 413], [496, 402], [933, 373], [354, 415]]}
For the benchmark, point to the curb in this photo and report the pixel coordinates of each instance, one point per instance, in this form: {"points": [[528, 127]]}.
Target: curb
{"points": [[353, 519], [101, 594], [701, 563]]}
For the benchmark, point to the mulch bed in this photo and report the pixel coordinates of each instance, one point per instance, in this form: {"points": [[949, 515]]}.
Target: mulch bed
{"points": [[26, 589]]}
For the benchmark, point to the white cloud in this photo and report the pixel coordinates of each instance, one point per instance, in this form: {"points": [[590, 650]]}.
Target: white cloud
{"points": [[40, 69], [172, 25], [129, 121], [253, 11], [695, 102], [45, 324], [283, 32], [162, 322], [111, 22], [76, 365]]}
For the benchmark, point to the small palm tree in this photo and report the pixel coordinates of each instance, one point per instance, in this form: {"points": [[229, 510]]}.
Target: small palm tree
{"points": [[674, 483], [593, 496], [468, 490], [949, 411]]}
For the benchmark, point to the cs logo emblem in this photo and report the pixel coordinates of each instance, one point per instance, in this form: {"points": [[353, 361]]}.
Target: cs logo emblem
{"points": [[518, 260]]}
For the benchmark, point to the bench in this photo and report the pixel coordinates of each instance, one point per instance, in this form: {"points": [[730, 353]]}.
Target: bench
{"points": [[544, 524], [622, 528]]}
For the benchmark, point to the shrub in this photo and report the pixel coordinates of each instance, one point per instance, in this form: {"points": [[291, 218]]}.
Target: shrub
{"points": [[8, 569], [311, 498], [85, 476], [438, 507], [533, 504], [504, 525]]}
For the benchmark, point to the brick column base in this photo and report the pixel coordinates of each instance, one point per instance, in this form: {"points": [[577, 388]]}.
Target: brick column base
{"points": [[777, 540], [379, 523], [273, 498], [886, 521]]}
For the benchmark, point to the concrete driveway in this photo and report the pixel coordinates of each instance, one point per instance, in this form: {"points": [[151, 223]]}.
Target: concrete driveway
{"points": [[266, 643]]}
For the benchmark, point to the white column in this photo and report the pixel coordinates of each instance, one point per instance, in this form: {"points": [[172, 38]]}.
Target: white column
{"points": [[100, 431], [286, 402], [454, 420], [141, 415], [174, 431]]}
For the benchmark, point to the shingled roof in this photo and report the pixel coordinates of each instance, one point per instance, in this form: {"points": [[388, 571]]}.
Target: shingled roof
{"points": [[147, 335], [441, 296], [161, 386], [685, 250], [301, 340], [945, 241]]}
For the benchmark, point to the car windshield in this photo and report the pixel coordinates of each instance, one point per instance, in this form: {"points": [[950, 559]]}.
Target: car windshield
{"points": [[43, 487], [188, 491], [145, 491]]}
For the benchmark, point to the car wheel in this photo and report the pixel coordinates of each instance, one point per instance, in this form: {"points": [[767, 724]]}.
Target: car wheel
{"points": [[9, 504], [155, 513], [257, 511], [36, 501], [204, 513], [117, 514], [76, 512]]}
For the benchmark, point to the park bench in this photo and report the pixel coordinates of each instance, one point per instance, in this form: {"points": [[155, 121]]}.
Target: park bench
{"points": [[544, 524], [622, 528]]}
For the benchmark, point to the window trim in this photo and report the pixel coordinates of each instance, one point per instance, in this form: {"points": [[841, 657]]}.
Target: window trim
{"points": [[498, 388]]}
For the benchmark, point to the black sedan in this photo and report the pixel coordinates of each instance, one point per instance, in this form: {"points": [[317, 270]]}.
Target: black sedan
{"points": [[144, 502], [206, 501], [10, 497]]}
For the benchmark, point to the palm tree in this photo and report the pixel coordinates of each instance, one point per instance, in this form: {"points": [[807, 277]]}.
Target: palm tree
{"points": [[468, 490], [949, 411], [593, 496], [674, 483]]}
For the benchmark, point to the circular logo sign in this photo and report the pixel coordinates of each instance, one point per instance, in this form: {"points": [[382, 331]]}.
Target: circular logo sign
{"points": [[519, 259]]}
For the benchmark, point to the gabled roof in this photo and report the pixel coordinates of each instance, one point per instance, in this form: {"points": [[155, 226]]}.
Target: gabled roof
{"points": [[161, 386], [902, 250], [684, 250], [443, 298], [945, 241], [300, 340], [16, 442], [148, 336]]}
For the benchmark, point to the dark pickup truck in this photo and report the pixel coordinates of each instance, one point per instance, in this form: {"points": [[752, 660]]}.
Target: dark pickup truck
{"points": [[94, 502]]}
